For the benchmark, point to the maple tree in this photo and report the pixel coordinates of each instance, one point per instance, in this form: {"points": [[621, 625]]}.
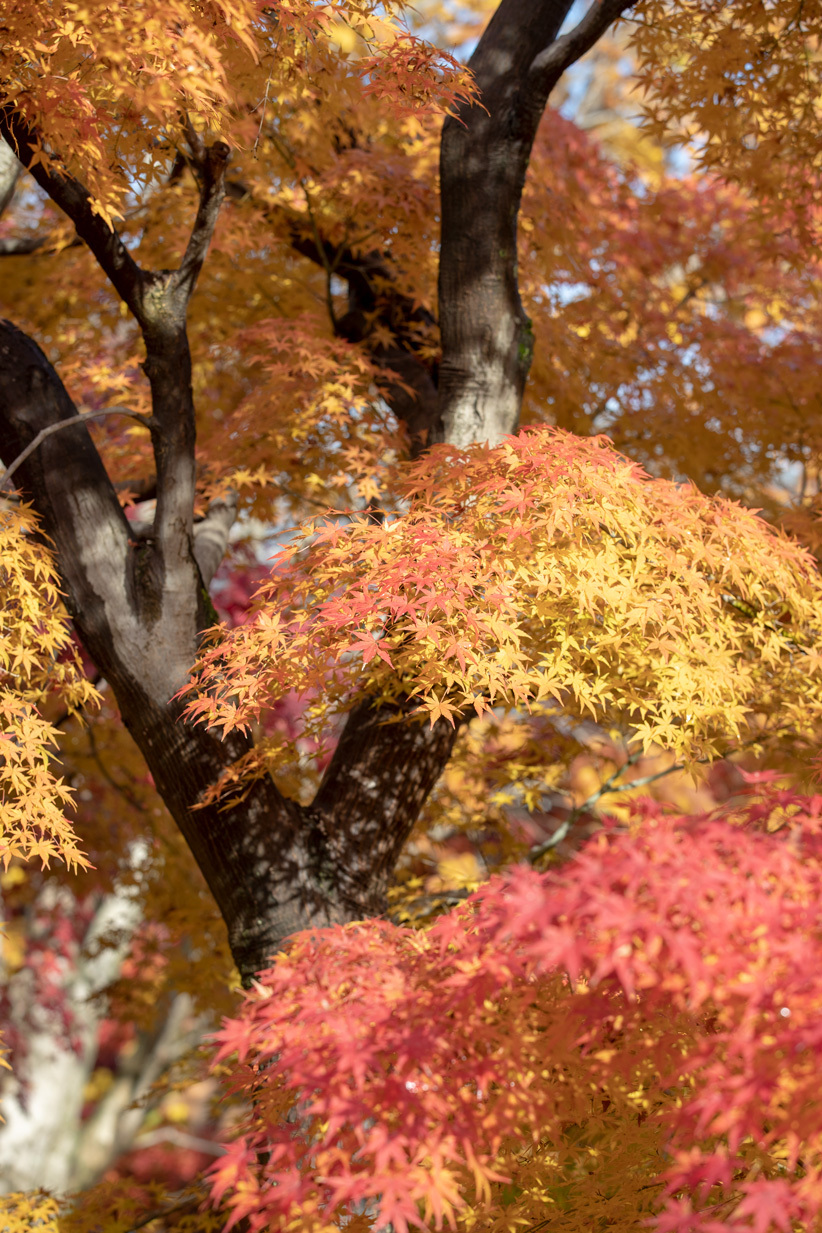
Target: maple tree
{"points": [[282, 282]]}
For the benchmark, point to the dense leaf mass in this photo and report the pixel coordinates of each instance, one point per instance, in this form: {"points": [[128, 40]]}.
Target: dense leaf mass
{"points": [[82, 76], [249, 224], [549, 568], [742, 82], [660, 990], [38, 661]]}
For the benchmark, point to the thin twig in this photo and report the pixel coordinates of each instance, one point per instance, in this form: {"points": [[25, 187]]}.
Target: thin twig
{"points": [[608, 786], [446, 897], [161, 1212], [329, 267], [83, 418], [262, 117], [122, 789]]}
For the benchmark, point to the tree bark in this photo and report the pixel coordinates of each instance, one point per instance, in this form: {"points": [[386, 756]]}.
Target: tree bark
{"points": [[273, 866], [487, 341]]}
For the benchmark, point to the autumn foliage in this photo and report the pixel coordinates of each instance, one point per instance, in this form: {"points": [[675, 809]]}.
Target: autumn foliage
{"points": [[548, 569], [634, 1033], [38, 664], [469, 787]]}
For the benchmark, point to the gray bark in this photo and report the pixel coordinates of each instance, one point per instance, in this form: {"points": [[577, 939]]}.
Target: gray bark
{"points": [[9, 171], [42, 1099]]}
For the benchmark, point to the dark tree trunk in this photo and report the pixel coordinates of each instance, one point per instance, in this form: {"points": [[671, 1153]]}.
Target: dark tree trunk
{"points": [[487, 341], [273, 866]]}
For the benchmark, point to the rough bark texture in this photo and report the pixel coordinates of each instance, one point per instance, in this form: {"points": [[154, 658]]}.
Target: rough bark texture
{"points": [[139, 607], [9, 171], [487, 342]]}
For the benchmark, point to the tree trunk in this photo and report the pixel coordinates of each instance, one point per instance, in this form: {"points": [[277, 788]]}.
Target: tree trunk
{"points": [[273, 866], [487, 341]]}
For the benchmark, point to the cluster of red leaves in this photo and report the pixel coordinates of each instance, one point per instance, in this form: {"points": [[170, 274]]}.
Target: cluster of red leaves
{"points": [[677, 969]]}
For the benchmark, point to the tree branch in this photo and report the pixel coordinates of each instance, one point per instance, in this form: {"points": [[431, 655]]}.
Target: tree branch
{"points": [[9, 172], [373, 299], [487, 341], [212, 192], [385, 765], [159, 302], [21, 246], [260, 855], [45, 433], [547, 68], [211, 535], [75, 200]]}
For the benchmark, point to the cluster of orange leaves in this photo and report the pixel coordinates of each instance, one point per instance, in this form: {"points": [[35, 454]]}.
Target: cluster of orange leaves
{"points": [[740, 81], [86, 75]]}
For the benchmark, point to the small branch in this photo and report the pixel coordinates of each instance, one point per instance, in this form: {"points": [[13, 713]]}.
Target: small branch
{"points": [[211, 196], [211, 535], [21, 246], [448, 898], [24, 245], [180, 1138], [83, 418], [547, 68], [160, 1213], [121, 789], [74, 199], [9, 173], [609, 785], [262, 116], [329, 267]]}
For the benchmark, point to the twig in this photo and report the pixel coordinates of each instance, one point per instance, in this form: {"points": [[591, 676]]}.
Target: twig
{"points": [[329, 266], [161, 1212], [262, 116], [122, 789], [145, 420], [608, 786], [445, 897]]}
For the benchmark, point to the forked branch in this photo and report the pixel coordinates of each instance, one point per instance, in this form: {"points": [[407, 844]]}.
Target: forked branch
{"points": [[552, 61]]}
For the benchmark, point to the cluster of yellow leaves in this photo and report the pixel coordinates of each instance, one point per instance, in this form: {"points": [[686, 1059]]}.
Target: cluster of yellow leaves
{"points": [[37, 661], [547, 571], [22, 1211], [120, 1205]]}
